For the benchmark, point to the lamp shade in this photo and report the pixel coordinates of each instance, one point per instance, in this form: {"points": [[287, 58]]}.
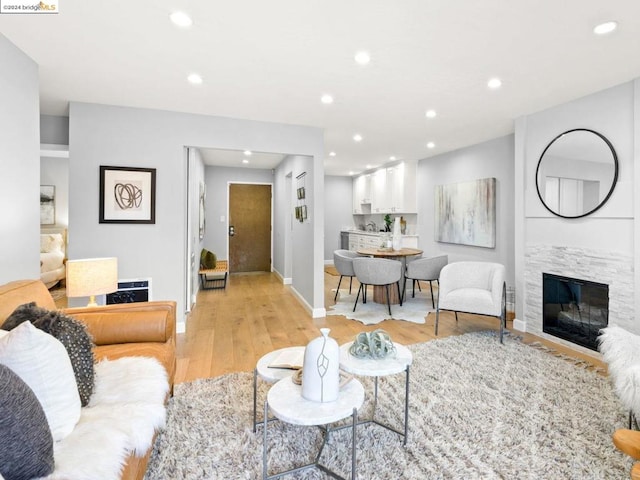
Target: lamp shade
{"points": [[92, 276]]}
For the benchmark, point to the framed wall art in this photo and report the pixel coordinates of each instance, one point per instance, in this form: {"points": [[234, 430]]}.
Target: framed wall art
{"points": [[127, 195], [466, 213], [47, 205]]}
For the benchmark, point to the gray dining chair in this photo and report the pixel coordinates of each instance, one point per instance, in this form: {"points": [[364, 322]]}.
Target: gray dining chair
{"points": [[473, 287], [343, 261], [425, 269], [377, 272]]}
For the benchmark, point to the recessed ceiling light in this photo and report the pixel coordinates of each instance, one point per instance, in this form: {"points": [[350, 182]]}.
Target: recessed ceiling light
{"points": [[362, 58], [357, 137], [368, 166], [195, 79], [604, 28], [431, 145], [392, 158], [326, 99], [352, 172], [181, 19], [247, 152], [494, 83], [245, 160], [332, 154], [430, 114]]}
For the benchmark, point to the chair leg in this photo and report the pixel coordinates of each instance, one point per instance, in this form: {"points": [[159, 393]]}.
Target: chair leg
{"points": [[433, 303], [456, 314], [413, 285], [404, 289], [388, 301], [357, 297], [398, 285], [437, 318], [350, 283], [338, 289]]}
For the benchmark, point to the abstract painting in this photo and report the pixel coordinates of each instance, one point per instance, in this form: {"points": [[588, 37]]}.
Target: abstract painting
{"points": [[466, 213], [127, 195], [47, 204]]}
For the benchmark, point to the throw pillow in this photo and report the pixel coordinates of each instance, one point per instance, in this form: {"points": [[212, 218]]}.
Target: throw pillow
{"points": [[71, 333], [42, 362], [26, 445], [207, 259]]}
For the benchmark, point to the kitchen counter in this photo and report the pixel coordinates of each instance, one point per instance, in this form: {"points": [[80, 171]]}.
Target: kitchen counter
{"points": [[363, 239]]}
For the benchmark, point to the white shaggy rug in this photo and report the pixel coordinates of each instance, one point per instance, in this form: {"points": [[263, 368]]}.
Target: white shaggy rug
{"points": [[478, 410], [413, 310]]}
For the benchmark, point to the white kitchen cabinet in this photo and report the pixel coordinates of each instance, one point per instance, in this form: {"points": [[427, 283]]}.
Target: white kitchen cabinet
{"points": [[394, 189], [361, 193]]}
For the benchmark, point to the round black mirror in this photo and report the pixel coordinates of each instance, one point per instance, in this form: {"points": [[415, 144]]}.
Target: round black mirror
{"points": [[576, 173]]}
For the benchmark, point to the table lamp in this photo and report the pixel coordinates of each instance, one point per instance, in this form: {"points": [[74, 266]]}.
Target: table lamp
{"points": [[92, 276]]}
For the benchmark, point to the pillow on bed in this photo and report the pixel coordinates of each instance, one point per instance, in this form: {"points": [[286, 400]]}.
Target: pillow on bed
{"points": [[26, 444], [51, 242], [70, 332]]}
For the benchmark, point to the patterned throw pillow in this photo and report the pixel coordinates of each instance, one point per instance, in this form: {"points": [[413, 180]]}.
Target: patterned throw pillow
{"points": [[70, 332], [26, 444]]}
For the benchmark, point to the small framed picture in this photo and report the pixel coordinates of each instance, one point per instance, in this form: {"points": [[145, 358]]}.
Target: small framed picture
{"points": [[47, 205], [304, 212], [127, 195]]}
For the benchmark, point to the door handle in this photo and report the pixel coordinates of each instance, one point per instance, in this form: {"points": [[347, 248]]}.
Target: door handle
{"points": [[232, 230]]}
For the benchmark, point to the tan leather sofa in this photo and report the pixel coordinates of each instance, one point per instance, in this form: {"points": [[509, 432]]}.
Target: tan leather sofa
{"points": [[134, 329]]}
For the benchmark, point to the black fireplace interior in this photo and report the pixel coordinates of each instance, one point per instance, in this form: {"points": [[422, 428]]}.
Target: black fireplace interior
{"points": [[573, 309]]}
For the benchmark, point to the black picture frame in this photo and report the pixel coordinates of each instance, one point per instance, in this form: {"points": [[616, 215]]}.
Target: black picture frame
{"points": [[127, 195]]}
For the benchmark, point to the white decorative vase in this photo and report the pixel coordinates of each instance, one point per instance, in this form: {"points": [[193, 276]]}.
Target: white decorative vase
{"points": [[321, 369], [397, 235]]}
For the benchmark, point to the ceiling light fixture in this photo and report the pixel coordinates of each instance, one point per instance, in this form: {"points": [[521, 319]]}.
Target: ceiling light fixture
{"points": [[494, 83], [362, 58], [352, 172], [245, 160], [194, 79], [332, 154], [326, 99], [357, 137], [392, 158], [181, 19], [247, 152], [431, 145], [430, 114], [604, 28]]}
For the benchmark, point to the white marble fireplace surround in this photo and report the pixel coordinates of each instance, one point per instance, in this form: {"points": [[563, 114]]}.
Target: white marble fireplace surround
{"points": [[600, 266]]}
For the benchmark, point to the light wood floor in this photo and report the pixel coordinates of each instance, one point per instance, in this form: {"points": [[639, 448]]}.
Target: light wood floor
{"points": [[230, 329]]}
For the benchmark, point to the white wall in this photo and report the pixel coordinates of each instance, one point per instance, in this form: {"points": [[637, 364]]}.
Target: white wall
{"points": [[120, 136], [338, 205], [19, 165], [55, 171], [494, 158], [196, 182], [217, 206], [54, 129], [612, 228]]}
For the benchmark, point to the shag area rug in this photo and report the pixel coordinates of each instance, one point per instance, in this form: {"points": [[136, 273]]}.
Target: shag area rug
{"points": [[413, 310], [478, 410]]}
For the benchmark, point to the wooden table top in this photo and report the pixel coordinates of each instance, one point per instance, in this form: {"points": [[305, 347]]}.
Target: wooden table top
{"points": [[388, 253]]}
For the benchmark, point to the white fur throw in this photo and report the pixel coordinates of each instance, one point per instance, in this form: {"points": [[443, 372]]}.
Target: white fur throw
{"points": [[621, 351], [126, 408]]}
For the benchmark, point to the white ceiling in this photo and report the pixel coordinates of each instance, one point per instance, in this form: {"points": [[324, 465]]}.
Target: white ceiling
{"points": [[272, 61]]}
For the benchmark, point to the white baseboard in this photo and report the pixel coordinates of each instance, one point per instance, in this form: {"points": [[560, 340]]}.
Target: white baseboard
{"points": [[181, 327], [520, 325], [287, 281]]}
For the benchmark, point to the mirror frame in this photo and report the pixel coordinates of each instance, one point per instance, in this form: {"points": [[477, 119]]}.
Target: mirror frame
{"points": [[613, 182]]}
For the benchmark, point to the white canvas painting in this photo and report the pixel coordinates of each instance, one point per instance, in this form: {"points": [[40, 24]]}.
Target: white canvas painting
{"points": [[466, 213], [47, 205]]}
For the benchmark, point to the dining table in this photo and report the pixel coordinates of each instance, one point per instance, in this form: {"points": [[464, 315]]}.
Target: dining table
{"points": [[379, 291]]}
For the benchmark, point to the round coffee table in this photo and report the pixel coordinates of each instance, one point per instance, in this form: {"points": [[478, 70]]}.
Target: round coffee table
{"points": [[369, 367], [269, 374], [286, 402]]}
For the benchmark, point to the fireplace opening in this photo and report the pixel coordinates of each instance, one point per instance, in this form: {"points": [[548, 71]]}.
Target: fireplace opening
{"points": [[574, 309]]}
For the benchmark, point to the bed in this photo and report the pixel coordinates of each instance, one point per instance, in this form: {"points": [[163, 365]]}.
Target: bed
{"points": [[53, 249]]}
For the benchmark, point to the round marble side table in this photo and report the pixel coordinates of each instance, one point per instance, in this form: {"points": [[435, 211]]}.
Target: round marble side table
{"points": [[270, 375], [369, 367], [286, 402]]}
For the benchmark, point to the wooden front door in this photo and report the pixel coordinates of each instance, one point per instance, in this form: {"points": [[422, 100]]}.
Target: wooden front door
{"points": [[249, 228]]}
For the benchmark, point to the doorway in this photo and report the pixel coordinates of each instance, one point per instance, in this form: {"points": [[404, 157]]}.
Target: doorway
{"points": [[249, 227]]}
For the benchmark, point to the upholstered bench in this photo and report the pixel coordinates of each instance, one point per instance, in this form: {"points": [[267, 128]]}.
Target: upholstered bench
{"points": [[211, 278]]}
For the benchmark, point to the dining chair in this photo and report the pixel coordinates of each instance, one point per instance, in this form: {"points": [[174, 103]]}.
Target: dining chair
{"points": [[473, 287], [425, 269], [343, 262], [377, 272]]}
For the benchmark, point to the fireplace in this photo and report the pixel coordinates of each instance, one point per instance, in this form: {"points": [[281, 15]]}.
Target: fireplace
{"points": [[574, 309]]}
